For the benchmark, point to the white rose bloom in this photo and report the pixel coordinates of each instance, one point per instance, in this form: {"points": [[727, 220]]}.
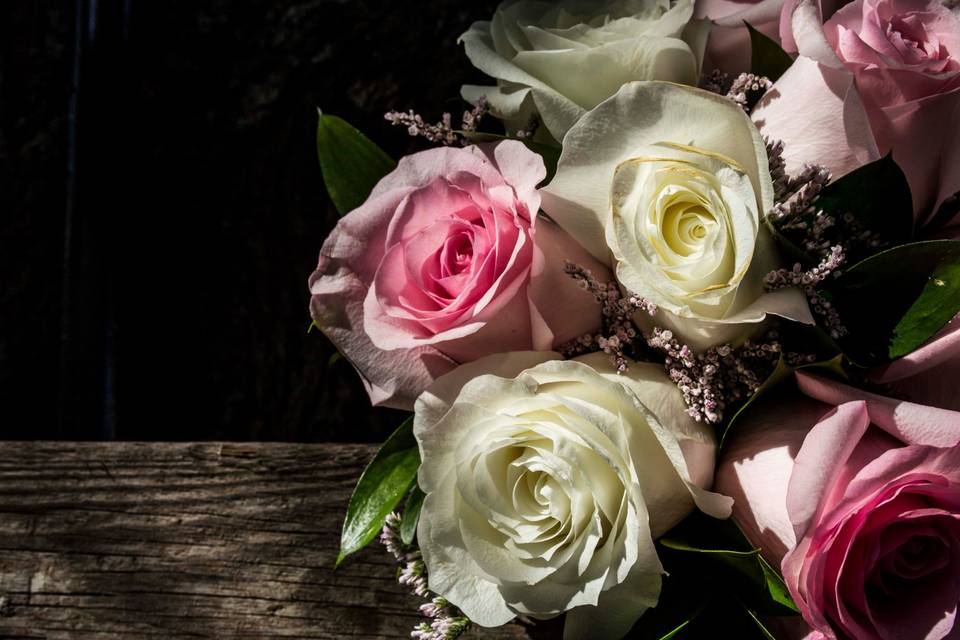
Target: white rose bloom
{"points": [[561, 59], [547, 481], [670, 185]]}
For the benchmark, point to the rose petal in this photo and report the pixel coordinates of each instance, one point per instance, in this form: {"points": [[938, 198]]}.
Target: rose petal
{"points": [[834, 129], [553, 284], [824, 451], [911, 423], [755, 468], [559, 113], [392, 378]]}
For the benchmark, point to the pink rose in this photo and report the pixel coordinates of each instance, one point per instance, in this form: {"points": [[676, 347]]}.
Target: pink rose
{"points": [[446, 262], [857, 497], [880, 75], [728, 46]]}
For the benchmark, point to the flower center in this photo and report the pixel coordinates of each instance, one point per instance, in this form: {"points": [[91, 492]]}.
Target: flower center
{"points": [[456, 255], [916, 558], [909, 37]]}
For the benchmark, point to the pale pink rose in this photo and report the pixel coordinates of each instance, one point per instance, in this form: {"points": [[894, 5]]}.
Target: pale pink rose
{"points": [[857, 497], [728, 46], [879, 76], [446, 262]]}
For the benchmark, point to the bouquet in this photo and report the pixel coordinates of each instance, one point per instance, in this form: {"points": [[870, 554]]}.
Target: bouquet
{"points": [[673, 309]]}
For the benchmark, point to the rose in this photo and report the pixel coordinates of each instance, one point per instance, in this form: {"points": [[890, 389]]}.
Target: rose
{"points": [[546, 483], [445, 262], [879, 76], [672, 182], [860, 497], [561, 59], [729, 47]]}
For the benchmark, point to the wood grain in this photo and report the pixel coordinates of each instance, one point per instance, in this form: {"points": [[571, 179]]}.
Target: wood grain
{"points": [[135, 541]]}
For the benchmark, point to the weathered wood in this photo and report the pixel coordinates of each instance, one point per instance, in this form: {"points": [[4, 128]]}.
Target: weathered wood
{"points": [[135, 541]]}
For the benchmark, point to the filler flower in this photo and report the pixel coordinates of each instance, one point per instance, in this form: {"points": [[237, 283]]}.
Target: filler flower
{"points": [[670, 184], [561, 59], [547, 482], [446, 262]]}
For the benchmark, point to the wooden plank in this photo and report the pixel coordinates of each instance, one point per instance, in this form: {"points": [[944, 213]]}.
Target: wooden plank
{"points": [[153, 541]]}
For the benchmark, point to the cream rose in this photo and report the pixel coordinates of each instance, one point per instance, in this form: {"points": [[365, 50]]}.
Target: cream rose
{"points": [[547, 482], [669, 185], [561, 59]]}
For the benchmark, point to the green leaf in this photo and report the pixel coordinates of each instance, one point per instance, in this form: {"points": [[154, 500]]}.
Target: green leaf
{"points": [[894, 301], [334, 358], [833, 366], [743, 561], [810, 337], [313, 325], [760, 626], [383, 484], [350, 163], [721, 541], [779, 374], [776, 587], [411, 516], [673, 633], [877, 195], [682, 599], [767, 58]]}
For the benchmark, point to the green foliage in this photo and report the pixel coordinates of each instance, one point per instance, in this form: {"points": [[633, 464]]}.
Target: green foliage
{"points": [[384, 483], [779, 374], [767, 58], [715, 581], [831, 365], [350, 163], [411, 516], [874, 198], [877, 197], [894, 301], [721, 542]]}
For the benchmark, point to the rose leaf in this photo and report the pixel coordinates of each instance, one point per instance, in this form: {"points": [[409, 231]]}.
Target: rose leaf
{"points": [[384, 483], [767, 58], [779, 374], [875, 197], [721, 543], [350, 163], [411, 516], [893, 302]]}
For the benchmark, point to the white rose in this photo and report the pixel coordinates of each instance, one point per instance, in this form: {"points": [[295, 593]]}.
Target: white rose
{"points": [[547, 481], [670, 184], [561, 59]]}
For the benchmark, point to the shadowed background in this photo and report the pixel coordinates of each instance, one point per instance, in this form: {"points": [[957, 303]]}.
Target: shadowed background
{"points": [[161, 207]]}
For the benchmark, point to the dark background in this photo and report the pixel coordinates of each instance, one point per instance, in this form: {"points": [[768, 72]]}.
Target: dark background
{"points": [[161, 207]]}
